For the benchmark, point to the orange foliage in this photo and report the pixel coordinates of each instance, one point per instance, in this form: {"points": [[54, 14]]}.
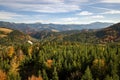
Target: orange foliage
{"points": [[3, 75], [49, 63], [35, 78], [99, 62]]}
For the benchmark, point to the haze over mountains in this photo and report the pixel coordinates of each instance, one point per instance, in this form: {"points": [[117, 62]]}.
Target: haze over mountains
{"points": [[27, 28]]}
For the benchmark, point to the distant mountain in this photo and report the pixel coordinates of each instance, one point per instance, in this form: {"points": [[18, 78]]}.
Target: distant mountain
{"points": [[70, 32], [97, 25], [30, 28]]}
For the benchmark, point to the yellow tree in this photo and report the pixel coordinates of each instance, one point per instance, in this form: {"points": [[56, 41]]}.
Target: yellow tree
{"points": [[10, 51], [14, 65], [13, 71]]}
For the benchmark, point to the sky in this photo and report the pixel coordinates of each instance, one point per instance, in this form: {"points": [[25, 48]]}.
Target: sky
{"points": [[60, 11]]}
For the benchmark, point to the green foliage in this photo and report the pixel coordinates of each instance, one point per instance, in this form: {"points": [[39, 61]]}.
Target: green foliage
{"points": [[12, 76], [45, 77], [87, 75], [55, 74], [62, 61]]}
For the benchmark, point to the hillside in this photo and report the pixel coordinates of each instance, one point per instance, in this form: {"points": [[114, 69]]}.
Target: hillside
{"points": [[109, 34], [105, 35], [10, 36]]}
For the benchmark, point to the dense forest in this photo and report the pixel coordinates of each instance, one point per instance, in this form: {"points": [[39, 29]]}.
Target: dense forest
{"points": [[60, 61]]}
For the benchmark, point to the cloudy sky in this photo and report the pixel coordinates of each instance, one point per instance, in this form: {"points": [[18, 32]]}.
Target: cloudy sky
{"points": [[60, 11]]}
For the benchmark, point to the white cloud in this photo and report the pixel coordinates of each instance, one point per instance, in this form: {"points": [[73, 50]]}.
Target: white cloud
{"points": [[69, 19], [111, 1], [112, 12], [14, 17], [8, 15], [97, 16], [48, 6], [85, 13], [108, 10], [32, 1], [57, 6]]}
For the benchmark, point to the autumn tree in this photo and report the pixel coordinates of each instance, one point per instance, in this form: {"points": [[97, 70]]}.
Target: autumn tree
{"points": [[3, 75]]}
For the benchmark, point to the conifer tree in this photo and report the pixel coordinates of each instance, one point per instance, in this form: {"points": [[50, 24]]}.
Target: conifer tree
{"points": [[55, 75], [116, 77], [87, 75], [108, 78], [45, 77]]}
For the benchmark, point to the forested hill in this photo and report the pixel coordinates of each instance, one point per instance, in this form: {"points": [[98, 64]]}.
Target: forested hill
{"points": [[109, 34], [105, 35], [9, 36]]}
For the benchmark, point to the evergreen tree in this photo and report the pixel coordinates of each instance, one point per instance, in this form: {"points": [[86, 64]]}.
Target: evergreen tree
{"points": [[45, 77], [108, 78], [87, 75], [55, 75], [116, 77], [14, 77]]}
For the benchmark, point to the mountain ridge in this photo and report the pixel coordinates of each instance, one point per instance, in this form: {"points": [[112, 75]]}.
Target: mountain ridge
{"points": [[103, 35], [32, 27]]}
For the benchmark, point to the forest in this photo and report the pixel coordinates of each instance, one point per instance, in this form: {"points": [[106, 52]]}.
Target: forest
{"points": [[57, 60]]}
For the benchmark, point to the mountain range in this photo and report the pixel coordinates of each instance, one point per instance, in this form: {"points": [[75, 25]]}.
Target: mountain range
{"points": [[28, 28], [93, 33]]}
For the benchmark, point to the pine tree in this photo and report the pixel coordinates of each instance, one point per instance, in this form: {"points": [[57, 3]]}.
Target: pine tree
{"points": [[115, 77], [13, 76], [55, 75], [45, 77], [108, 78], [87, 75]]}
